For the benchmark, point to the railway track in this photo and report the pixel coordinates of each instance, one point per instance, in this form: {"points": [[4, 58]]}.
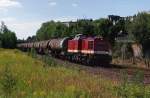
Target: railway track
{"points": [[112, 72]]}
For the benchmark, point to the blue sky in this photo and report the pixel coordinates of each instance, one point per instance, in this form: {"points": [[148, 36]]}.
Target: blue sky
{"points": [[26, 16]]}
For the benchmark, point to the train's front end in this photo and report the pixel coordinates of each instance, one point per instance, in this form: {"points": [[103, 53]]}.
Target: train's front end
{"points": [[102, 50], [97, 49]]}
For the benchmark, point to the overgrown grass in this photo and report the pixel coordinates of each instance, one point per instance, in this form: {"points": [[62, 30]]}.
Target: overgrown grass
{"points": [[26, 77], [32, 80], [133, 87]]}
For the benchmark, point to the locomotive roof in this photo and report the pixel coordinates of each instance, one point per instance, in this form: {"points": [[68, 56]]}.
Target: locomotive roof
{"points": [[93, 38]]}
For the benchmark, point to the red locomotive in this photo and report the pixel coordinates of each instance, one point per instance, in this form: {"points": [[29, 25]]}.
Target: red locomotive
{"points": [[81, 48]]}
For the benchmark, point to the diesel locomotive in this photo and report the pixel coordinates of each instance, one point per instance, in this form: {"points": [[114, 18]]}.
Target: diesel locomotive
{"points": [[81, 48]]}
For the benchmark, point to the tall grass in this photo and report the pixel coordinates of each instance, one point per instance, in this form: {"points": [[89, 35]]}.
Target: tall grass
{"points": [[8, 82], [133, 87], [31, 80], [28, 78]]}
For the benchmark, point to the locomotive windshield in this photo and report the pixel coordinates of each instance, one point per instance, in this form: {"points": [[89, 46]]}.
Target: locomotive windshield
{"points": [[102, 46]]}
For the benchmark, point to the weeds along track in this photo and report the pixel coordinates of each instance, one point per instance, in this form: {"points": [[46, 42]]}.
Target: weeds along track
{"points": [[113, 72]]}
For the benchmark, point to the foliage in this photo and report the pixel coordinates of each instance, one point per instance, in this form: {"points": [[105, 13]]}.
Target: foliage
{"points": [[136, 29], [34, 80], [48, 60], [45, 29], [8, 38], [134, 87], [122, 50], [83, 26], [8, 82], [140, 27], [32, 53]]}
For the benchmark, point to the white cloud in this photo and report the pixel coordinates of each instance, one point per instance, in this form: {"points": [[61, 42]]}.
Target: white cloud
{"points": [[75, 5], [4, 4], [7, 19], [3, 11], [52, 3], [23, 29]]}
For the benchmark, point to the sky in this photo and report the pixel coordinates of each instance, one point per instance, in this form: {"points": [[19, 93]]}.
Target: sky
{"points": [[25, 17]]}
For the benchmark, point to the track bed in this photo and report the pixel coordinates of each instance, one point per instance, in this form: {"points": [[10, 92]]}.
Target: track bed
{"points": [[113, 72]]}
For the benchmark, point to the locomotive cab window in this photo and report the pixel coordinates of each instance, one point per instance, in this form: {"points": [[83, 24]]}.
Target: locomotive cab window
{"points": [[90, 45]]}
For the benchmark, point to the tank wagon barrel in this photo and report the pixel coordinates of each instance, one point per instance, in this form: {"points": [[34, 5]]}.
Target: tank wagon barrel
{"points": [[59, 44], [30, 45], [44, 44]]}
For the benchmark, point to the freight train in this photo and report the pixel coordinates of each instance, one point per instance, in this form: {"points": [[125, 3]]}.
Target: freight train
{"points": [[81, 48]]}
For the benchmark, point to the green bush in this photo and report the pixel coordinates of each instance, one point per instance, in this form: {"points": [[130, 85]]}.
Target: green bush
{"points": [[8, 82], [122, 50], [134, 87], [49, 61], [33, 53]]}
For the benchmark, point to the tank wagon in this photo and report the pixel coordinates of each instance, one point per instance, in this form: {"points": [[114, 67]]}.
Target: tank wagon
{"points": [[59, 46], [81, 48]]}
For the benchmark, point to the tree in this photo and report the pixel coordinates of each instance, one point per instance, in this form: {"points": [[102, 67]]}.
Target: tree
{"points": [[102, 27], [31, 39], [61, 30], [46, 31], [140, 27], [0, 40], [7, 37], [85, 26]]}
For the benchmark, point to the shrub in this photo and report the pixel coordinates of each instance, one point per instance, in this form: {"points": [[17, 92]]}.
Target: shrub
{"points": [[49, 61], [134, 87], [8, 82], [122, 50], [33, 53]]}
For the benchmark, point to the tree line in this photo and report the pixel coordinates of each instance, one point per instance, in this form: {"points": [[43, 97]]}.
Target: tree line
{"points": [[8, 38], [135, 28], [138, 29]]}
